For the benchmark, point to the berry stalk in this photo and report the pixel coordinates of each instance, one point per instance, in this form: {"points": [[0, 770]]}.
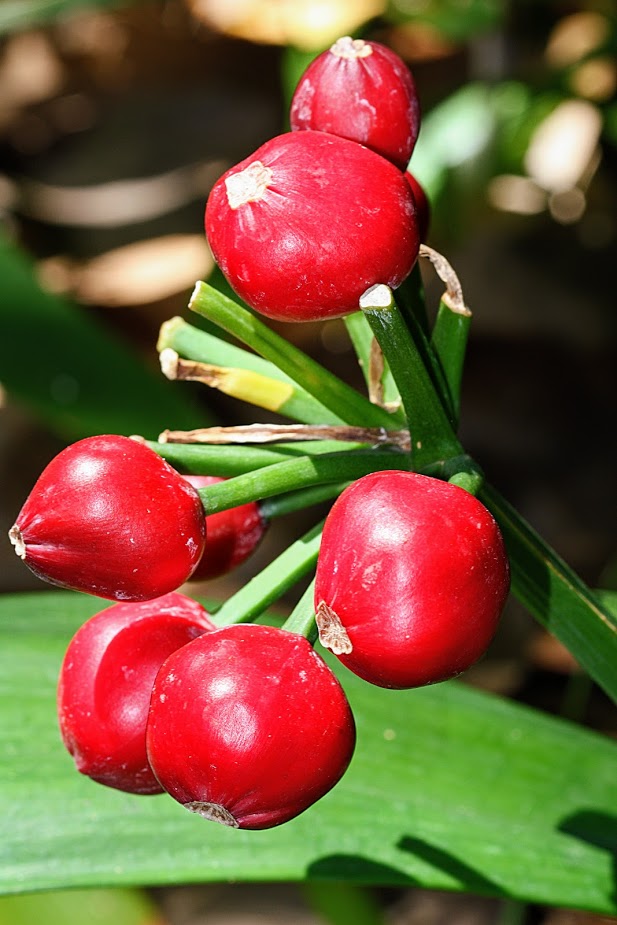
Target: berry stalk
{"points": [[304, 472], [451, 328], [340, 398], [302, 618], [431, 430], [193, 344], [231, 460], [273, 581]]}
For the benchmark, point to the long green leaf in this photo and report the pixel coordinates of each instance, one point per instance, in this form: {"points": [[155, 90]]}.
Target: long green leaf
{"points": [[449, 788], [556, 596]]}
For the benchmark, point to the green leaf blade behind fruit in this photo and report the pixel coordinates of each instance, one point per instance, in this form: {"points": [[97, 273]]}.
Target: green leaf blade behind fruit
{"points": [[449, 788]]}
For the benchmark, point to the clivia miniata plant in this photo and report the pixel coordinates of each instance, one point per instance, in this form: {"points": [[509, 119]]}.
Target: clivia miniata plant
{"points": [[246, 724]]}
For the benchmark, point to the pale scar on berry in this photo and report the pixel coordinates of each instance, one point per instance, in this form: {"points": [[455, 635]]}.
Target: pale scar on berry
{"points": [[346, 47], [332, 633], [18, 541], [248, 185], [212, 811]]}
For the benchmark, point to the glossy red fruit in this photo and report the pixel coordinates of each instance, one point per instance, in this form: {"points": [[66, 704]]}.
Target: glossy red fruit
{"points": [[423, 208], [106, 683], [232, 535], [110, 517], [362, 91], [307, 223], [411, 579], [248, 726]]}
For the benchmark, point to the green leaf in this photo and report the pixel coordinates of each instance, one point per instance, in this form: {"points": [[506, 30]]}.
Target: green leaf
{"points": [[62, 364], [556, 596], [449, 788]]}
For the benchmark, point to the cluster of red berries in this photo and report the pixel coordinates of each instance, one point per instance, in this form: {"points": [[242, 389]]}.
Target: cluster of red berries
{"points": [[246, 724], [306, 224]]}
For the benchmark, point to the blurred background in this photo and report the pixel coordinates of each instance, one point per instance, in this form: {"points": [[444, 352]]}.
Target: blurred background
{"points": [[115, 120]]}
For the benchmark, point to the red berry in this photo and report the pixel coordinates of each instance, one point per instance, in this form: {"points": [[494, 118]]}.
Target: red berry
{"points": [[307, 223], [232, 534], [110, 517], [248, 726], [362, 91], [423, 208], [411, 579], [106, 684]]}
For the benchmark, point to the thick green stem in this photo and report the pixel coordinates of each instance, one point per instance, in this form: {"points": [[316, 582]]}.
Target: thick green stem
{"points": [[556, 596], [410, 297], [273, 581], [302, 617], [296, 474], [336, 395], [432, 436], [234, 459]]}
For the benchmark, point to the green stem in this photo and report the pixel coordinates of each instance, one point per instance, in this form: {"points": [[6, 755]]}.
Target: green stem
{"points": [[410, 296], [556, 596], [302, 618], [273, 581], [304, 472], [236, 459], [336, 395], [432, 436], [449, 342], [362, 338], [194, 344], [293, 501], [449, 339], [471, 481]]}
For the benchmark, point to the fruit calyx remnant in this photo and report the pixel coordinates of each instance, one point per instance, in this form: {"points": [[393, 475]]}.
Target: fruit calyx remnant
{"points": [[18, 541], [248, 185], [332, 633], [346, 47], [214, 812]]}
